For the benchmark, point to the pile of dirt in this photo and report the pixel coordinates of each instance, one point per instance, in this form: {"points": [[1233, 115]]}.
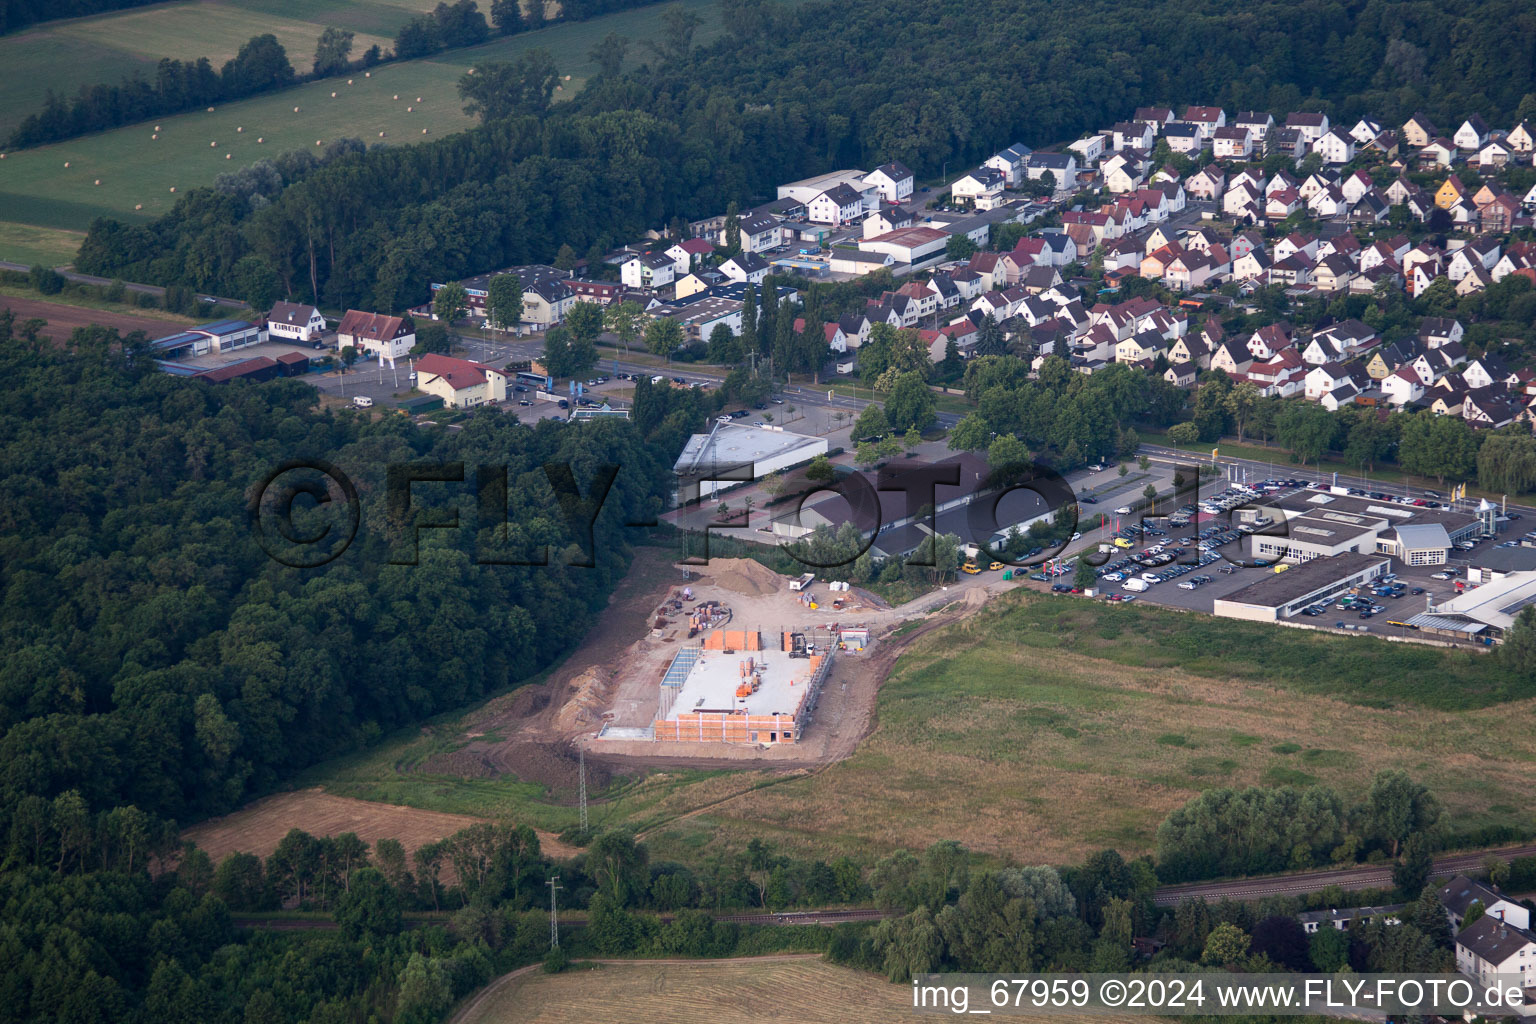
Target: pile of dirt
{"points": [[589, 700], [527, 702], [745, 576], [468, 763]]}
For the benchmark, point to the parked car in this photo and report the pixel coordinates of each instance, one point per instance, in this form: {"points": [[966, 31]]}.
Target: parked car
{"points": [[1123, 510]]}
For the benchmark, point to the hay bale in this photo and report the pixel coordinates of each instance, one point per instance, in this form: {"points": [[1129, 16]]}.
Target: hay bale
{"points": [[333, 95], [260, 140], [213, 144], [409, 109], [229, 156], [295, 110], [397, 95], [349, 81], [138, 206], [418, 99], [66, 163], [240, 128], [367, 74], [173, 188], [98, 181], [157, 127], [210, 110], [423, 131], [381, 135]]}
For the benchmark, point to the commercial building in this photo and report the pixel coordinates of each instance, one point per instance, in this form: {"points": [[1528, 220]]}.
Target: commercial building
{"points": [[219, 336], [1484, 611], [1320, 524], [742, 686], [460, 383], [1277, 595], [908, 245], [732, 453]]}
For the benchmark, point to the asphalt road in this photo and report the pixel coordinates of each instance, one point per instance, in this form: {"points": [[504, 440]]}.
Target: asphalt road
{"points": [[148, 289], [1368, 877]]}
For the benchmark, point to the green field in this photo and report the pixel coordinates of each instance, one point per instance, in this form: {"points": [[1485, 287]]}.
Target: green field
{"points": [[28, 243], [137, 171], [105, 48], [998, 731]]}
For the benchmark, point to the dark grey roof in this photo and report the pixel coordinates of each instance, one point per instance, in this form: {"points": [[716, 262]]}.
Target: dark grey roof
{"points": [[895, 170], [292, 312], [1493, 940], [1052, 161], [749, 262], [843, 194], [756, 223]]}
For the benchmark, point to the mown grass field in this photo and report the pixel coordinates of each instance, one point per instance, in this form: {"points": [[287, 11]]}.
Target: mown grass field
{"points": [[137, 171], [65, 55], [29, 244], [1040, 730], [803, 990]]}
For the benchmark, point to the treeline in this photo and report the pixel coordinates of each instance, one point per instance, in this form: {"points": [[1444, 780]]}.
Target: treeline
{"points": [[95, 936], [260, 66], [379, 231], [158, 657], [15, 14], [1226, 832]]}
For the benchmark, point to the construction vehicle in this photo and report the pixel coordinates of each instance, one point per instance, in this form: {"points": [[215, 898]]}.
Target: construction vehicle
{"points": [[970, 568], [805, 580]]}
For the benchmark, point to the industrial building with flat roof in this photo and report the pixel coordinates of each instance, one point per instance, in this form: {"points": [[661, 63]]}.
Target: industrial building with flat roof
{"points": [[1279, 594], [1487, 610], [732, 453], [1322, 524], [742, 686]]}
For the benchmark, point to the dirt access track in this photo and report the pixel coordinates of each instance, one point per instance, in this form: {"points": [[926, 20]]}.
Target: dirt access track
{"points": [[258, 828], [534, 733], [63, 319]]}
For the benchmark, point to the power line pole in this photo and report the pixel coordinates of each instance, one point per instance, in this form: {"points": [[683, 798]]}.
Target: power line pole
{"points": [[554, 920], [582, 754]]}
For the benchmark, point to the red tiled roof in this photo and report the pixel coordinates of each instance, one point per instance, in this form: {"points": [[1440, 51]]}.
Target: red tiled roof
{"points": [[459, 373]]}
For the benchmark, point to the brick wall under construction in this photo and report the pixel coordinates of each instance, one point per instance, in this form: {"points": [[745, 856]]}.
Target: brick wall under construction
{"points": [[739, 727]]}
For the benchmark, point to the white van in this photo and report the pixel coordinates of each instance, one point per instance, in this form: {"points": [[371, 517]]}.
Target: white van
{"points": [[363, 402]]}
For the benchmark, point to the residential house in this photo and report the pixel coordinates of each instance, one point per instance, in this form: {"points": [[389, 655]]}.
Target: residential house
{"points": [[648, 270], [1137, 135], [1122, 173], [982, 187], [1481, 253], [1371, 208], [460, 383], [1232, 358], [689, 254], [1139, 347], [1329, 203], [1312, 126], [546, 300], [1418, 131], [1286, 141], [1232, 143], [1399, 191], [840, 204], [1402, 386], [1335, 147], [1280, 205], [1333, 273], [1180, 375], [1193, 351], [1266, 342], [886, 220], [1493, 156], [1090, 148], [1010, 162], [1061, 166], [1497, 953], [748, 267], [1208, 183], [893, 180], [759, 232], [1296, 242], [386, 338], [1356, 185], [1472, 135], [1522, 138], [1155, 117], [1365, 130], [1257, 122], [1438, 152], [1283, 375], [1252, 265], [1441, 331], [1183, 137], [1207, 119], [295, 321]]}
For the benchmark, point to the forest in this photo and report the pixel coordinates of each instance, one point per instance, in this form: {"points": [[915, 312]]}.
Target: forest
{"points": [[793, 90], [158, 658], [15, 14]]}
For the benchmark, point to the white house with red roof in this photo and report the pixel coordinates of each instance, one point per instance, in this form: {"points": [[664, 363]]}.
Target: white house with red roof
{"points": [[387, 337], [460, 383], [689, 253]]}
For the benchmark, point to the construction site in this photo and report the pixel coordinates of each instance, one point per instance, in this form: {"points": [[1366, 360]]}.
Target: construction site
{"points": [[732, 685]]}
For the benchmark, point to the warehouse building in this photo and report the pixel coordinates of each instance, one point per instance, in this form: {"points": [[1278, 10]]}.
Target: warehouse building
{"points": [[1277, 595], [1481, 612], [743, 686], [732, 453]]}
